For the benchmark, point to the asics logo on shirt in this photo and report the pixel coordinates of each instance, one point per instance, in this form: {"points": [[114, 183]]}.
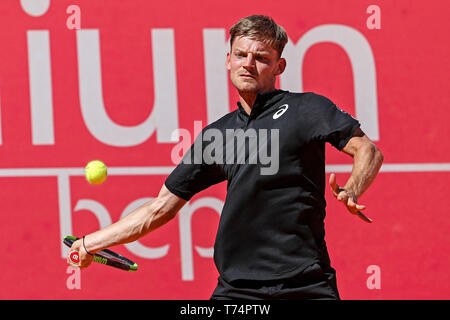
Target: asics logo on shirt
{"points": [[282, 109]]}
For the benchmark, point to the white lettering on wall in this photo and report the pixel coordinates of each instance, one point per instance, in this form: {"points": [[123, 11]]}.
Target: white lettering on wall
{"points": [[163, 118], [185, 218], [216, 74], [65, 210], [99, 211], [35, 8], [42, 128]]}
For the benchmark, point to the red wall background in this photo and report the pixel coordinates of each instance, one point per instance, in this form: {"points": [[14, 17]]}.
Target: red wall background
{"points": [[409, 240]]}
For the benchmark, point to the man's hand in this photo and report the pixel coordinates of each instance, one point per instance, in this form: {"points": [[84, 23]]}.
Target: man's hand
{"points": [[347, 197], [85, 258]]}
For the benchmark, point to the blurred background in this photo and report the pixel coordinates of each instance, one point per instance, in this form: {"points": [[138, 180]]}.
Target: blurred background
{"points": [[112, 80]]}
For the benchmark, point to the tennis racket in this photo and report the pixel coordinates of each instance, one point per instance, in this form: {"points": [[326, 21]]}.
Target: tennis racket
{"points": [[362, 216], [107, 257]]}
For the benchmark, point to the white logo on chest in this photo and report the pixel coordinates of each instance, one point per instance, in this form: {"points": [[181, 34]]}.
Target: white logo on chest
{"points": [[282, 109]]}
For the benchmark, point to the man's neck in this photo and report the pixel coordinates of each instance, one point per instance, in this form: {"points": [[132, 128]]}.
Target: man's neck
{"points": [[247, 99]]}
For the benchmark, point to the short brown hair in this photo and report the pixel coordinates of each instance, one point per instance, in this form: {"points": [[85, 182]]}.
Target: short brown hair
{"points": [[262, 28]]}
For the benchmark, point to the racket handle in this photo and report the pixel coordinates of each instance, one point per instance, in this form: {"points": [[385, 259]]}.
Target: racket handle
{"points": [[74, 256]]}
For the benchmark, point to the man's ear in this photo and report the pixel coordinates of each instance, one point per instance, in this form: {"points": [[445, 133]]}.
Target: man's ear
{"points": [[281, 66], [228, 63]]}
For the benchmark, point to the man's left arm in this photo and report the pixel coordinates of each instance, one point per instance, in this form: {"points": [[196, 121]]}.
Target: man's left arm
{"points": [[367, 161]]}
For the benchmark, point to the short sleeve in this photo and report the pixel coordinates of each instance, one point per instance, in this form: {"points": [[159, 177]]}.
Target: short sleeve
{"points": [[330, 123], [192, 174]]}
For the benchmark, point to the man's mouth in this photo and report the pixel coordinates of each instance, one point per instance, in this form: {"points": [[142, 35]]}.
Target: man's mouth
{"points": [[248, 76]]}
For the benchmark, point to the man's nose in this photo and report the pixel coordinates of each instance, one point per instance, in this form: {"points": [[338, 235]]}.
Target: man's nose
{"points": [[249, 61]]}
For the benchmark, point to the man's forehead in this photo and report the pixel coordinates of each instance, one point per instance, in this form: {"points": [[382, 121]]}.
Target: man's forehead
{"points": [[247, 44]]}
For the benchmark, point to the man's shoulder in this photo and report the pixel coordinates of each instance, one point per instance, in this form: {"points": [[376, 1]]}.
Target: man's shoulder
{"points": [[309, 103], [309, 97]]}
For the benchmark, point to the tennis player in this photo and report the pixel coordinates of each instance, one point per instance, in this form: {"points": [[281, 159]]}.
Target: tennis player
{"points": [[270, 241]]}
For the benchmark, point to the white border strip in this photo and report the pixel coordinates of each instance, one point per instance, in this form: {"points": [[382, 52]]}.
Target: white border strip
{"points": [[397, 167], [416, 167], [114, 171], [139, 171]]}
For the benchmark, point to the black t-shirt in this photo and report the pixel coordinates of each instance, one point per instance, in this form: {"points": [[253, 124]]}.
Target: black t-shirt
{"points": [[272, 222]]}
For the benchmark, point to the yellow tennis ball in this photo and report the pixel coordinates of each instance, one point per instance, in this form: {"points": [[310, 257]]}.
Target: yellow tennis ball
{"points": [[96, 172]]}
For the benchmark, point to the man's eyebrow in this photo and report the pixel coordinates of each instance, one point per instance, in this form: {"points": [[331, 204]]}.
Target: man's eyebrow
{"points": [[262, 53]]}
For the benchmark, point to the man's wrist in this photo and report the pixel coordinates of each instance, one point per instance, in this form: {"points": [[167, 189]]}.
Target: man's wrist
{"points": [[84, 246]]}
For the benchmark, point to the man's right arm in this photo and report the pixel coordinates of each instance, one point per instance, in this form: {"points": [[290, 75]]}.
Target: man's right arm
{"points": [[135, 225]]}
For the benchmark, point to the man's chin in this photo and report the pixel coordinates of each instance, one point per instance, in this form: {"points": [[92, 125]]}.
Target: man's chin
{"points": [[247, 89]]}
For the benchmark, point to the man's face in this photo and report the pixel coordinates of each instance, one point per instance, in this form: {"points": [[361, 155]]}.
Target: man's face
{"points": [[253, 65]]}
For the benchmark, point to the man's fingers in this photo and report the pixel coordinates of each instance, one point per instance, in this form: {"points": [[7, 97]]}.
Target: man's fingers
{"points": [[355, 209], [353, 206], [333, 185], [351, 203]]}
